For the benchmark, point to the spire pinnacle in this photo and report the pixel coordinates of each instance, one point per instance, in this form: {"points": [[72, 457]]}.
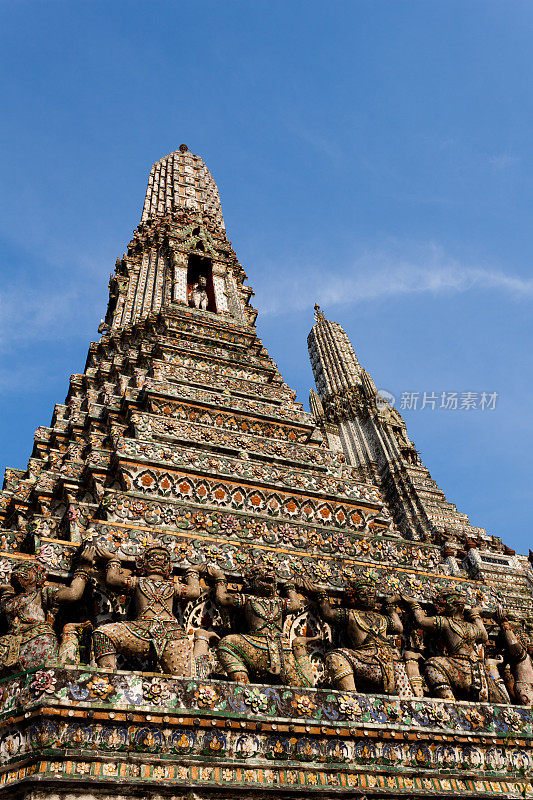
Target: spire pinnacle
{"points": [[335, 365], [319, 315], [181, 180]]}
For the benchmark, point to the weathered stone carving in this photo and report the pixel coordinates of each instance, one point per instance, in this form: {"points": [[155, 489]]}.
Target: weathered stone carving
{"points": [[30, 608], [263, 650], [155, 631], [69, 648], [519, 649], [372, 661], [460, 631]]}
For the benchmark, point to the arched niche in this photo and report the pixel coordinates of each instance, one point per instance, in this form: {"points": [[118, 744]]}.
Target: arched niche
{"points": [[200, 267]]}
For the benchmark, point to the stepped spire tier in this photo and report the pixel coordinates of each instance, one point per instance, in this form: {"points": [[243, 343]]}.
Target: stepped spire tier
{"points": [[207, 590]]}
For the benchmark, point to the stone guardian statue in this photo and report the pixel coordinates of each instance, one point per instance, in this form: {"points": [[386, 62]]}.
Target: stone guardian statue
{"points": [[155, 631], [263, 650], [460, 631], [371, 662], [519, 649], [30, 608]]}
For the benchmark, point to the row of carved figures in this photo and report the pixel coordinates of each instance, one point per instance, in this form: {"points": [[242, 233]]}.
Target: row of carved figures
{"points": [[370, 659]]}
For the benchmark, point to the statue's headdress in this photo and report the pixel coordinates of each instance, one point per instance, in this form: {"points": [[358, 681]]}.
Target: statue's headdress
{"points": [[449, 597], [26, 568], [140, 562], [253, 573]]}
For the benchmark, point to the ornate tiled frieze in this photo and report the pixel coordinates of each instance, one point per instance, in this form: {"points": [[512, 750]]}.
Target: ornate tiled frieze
{"points": [[76, 687], [230, 421], [245, 469], [172, 391], [158, 729], [204, 366], [176, 349], [207, 431], [365, 534], [216, 378], [152, 482], [209, 778]]}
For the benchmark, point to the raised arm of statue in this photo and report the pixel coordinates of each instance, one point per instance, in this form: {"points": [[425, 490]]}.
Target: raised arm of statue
{"points": [[391, 612], [515, 648], [421, 619], [116, 576], [190, 590], [294, 602], [326, 611], [222, 596], [69, 594], [473, 615]]}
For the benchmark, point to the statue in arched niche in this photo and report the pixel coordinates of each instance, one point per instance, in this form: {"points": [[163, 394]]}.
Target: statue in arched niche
{"points": [[461, 632], [30, 609], [199, 293], [262, 650], [154, 631]]}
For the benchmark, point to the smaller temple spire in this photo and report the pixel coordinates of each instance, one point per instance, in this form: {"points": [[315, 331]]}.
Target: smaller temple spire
{"points": [[335, 365], [315, 404]]}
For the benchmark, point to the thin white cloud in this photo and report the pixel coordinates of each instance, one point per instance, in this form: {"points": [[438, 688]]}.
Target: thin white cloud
{"points": [[504, 160], [383, 274], [30, 314]]}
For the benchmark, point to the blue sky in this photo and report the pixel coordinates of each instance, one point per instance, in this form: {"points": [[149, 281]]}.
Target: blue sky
{"points": [[375, 156]]}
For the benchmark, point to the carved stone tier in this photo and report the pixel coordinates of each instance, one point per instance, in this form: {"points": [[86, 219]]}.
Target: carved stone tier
{"points": [[143, 732]]}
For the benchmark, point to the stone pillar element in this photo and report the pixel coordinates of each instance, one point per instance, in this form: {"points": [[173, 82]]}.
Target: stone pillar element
{"points": [[219, 286], [234, 300], [140, 377], [179, 278], [315, 404], [333, 438], [122, 289]]}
